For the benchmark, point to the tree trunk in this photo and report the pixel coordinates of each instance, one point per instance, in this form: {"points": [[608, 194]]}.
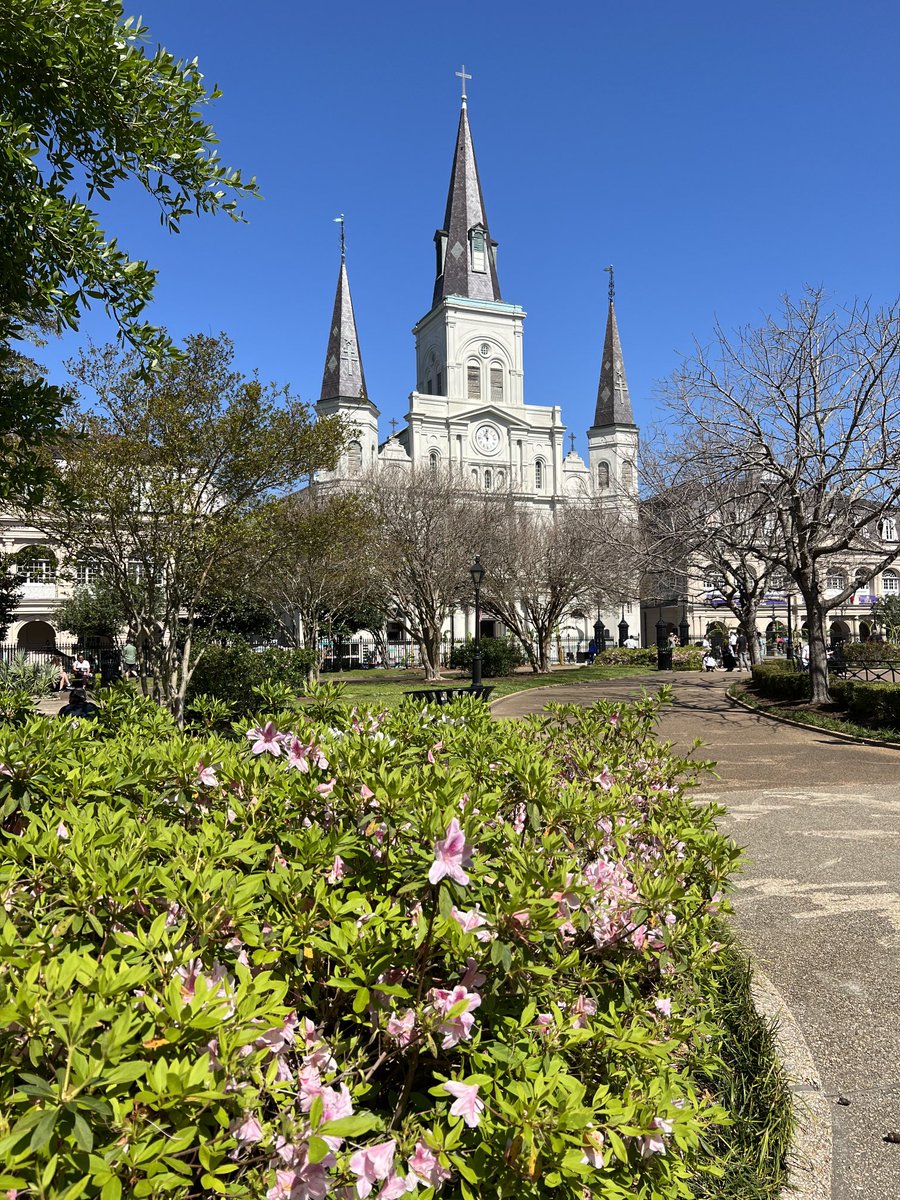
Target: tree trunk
{"points": [[748, 625], [430, 645], [544, 640], [818, 653]]}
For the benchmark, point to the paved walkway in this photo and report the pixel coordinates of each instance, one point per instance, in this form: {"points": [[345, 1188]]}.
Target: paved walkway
{"points": [[819, 900]]}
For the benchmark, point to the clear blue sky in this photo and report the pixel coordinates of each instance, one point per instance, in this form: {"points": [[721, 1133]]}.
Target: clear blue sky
{"points": [[718, 154]]}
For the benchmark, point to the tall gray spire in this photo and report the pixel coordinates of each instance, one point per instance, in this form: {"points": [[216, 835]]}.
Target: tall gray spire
{"points": [[343, 378], [613, 401], [466, 258]]}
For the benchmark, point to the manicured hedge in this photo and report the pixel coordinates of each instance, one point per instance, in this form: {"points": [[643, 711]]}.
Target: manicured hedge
{"points": [[499, 656], [864, 652], [781, 681], [357, 954], [230, 673], [684, 658], [876, 705]]}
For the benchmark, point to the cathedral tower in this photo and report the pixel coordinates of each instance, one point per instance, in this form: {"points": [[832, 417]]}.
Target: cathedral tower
{"points": [[613, 438], [344, 383]]}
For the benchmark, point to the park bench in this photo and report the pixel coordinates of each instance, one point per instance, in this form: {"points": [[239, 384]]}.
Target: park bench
{"points": [[444, 695]]}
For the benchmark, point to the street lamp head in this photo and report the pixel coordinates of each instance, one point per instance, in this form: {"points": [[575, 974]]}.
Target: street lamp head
{"points": [[477, 571]]}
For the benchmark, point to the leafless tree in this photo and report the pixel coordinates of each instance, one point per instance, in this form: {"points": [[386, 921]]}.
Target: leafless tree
{"points": [[805, 411], [711, 535], [428, 530], [541, 565]]}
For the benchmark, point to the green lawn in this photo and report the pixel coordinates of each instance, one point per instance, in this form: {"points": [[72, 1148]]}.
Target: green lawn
{"points": [[385, 689]]}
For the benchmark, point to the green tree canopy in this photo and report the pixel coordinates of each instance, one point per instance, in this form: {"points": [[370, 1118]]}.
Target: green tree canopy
{"points": [[86, 103], [170, 489]]}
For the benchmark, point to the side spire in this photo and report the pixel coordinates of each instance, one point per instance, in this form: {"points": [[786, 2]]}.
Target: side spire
{"points": [[466, 255], [343, 378], [613, 400]]}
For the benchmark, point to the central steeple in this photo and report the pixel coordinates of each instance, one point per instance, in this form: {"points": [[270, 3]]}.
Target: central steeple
{"points": [[466, 255]]}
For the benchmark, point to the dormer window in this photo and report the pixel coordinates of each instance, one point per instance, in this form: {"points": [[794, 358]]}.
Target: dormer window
{"points": [[479, 255]]}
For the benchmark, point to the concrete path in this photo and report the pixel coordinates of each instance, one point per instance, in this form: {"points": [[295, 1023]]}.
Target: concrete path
{"points": [[819, 900]]}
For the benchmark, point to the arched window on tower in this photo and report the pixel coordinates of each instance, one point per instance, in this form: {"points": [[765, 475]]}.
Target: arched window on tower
{"points": [[354, 456], [473, 381], [434, 461], [479, 256], [539, 473], [488, 479], [496, 384], [628, 476], [473, 474], [603, 476]]}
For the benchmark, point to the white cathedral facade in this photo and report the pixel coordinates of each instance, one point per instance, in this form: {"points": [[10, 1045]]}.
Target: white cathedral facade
{"points": [[467, 412]]}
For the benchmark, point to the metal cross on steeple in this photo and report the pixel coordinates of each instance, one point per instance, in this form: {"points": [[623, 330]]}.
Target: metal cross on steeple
{"points": [[463, 76], [340, 221], [572, 443], [393, 424], [612, 283]]}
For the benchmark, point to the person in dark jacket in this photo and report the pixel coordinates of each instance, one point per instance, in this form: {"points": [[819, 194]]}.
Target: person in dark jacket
{"points": [[79, 706]]}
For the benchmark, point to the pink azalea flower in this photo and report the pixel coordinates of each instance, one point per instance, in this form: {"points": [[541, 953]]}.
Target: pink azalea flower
{"points": [[297, 752], [471, 921], [614, 719], [593, 1150], [207, 775], [654, 1143], [266, 740], [337, 871], [248, 1131], [472, 978], [62, 832], [366, 792], [280, 1036], [4, 770], [663, 1005], [325, 789], [425, 1166], [583, 1008], [466, 1105], [451, 855], [310, 1086], [401, 1029], [459, 1028], [605, 779], [434, 749], [372, 1164]]}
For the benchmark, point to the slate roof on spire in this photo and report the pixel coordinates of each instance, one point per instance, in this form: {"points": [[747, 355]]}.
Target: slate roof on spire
{"points": [[613, 400], [343, 378], [457, 275]]}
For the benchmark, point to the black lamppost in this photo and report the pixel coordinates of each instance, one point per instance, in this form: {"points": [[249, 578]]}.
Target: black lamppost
{"points": [[599, 635], [477, 572], [623, 628], [663, 650]]}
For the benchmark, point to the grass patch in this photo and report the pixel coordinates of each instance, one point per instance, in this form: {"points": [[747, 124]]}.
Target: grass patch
{"points": [[814, 717], [750, 1082], [386, 689]]}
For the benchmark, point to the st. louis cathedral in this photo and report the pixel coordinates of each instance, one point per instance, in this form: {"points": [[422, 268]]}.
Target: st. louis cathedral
{"points": [[468, 411]]}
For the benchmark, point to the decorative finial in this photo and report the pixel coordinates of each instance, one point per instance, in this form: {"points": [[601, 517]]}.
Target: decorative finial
{"points": [[463, 76], [612, 283], [340, 221], [393, 426], [572, 443]]}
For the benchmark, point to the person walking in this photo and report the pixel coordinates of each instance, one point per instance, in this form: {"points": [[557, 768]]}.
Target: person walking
{"points": [[743, 651], [129, 660]]}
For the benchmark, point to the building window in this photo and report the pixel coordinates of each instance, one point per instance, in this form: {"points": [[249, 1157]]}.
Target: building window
{"points": [[539, 475], [440, 384], [354, 456], [628, 476], [473, 381], [433, 460], [87, 573], [890, 583], [479, 262], [36, 564], [496, 385], [501, 479], [713, 580], [889, 529], [602, 475], [488, 479], [835, 581], [474, 476]]}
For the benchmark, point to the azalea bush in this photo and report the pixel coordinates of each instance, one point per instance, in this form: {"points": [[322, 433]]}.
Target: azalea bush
{"points": [[684, 658], [229, 675], [338, 953]]}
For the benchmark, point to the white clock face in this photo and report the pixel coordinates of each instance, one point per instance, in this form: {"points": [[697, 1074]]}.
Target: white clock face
{"points": [[487, 439]]}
